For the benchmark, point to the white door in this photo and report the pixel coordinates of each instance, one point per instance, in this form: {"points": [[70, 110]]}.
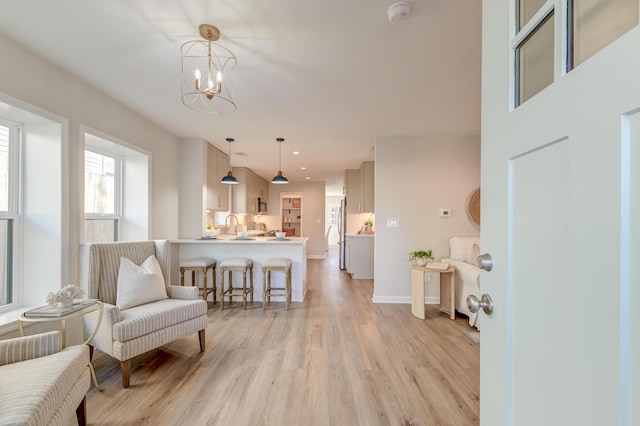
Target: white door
{"points": [[560, 217]]}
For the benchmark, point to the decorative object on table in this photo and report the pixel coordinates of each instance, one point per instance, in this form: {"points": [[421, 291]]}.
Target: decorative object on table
{"points": [[367, 227], [421, 257], [473, 206], [209, 231], [55, 311], [208, 73], [65, 296]]}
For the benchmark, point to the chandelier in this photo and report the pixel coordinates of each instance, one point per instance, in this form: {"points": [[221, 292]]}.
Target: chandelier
{"points": [[208, 74]]}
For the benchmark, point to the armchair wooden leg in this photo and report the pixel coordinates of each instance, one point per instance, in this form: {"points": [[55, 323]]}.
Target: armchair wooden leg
{"points": [[125, 366], [81, 412], [201, 336]]}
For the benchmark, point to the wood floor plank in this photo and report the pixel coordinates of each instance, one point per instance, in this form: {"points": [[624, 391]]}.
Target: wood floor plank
{"points": [[335, 359]]}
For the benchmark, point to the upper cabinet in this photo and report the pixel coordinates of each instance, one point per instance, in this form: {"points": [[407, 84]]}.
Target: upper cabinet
{"points": [[359, 188], [201, 167], [217, 166], [352, 190], [246, 193], [367, 175]]}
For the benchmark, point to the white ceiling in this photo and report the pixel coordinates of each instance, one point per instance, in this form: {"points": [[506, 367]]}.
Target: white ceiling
{"points": [[329, 76]]}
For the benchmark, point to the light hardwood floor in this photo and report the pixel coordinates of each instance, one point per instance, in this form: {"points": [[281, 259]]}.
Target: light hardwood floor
{"points": [[336, 359]]}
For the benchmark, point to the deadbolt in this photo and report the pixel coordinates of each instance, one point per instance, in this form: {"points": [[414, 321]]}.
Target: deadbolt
{"points": [[485, 261], [485, 303]]}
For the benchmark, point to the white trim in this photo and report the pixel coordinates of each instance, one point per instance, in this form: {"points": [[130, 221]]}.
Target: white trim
{"points": [[533, 24]]}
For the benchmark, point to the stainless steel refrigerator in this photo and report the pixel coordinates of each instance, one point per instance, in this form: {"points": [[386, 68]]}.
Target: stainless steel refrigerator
{"points": [[342, 231]]}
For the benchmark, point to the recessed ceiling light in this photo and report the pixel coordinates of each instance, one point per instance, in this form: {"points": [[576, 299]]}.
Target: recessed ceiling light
{"points": [[303, 168], [295, 153], [308, 178]]}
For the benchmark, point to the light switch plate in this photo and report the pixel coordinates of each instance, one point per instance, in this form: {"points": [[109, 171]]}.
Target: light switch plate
{"points": [[393, 223], [445, 212]]}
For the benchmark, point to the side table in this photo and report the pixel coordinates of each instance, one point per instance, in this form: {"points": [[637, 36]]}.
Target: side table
{"points": [[447, 290], [93, 308]]}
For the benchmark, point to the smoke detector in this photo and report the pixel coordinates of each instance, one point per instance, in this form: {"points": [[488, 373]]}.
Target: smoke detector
{"points": [[398, 11]]}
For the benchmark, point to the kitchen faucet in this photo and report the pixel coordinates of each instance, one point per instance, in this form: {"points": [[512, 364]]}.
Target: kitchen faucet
{"points": [[226, 225]]}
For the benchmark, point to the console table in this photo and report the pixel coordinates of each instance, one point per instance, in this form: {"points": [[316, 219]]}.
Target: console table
{"points": [[447, 290]]}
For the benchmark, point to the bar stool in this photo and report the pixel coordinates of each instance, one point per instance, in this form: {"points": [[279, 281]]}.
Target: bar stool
{"points": [[276, 264], [200, 264], [236, 264]]}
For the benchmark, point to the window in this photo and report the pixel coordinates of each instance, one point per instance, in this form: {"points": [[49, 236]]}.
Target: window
{"points": [[589, 25], [595, 24], [116, 190], [9, 178], [534, 57], [335, 215], [101, 195]]}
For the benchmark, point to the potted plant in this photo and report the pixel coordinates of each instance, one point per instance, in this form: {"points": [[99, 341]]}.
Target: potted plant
{"points": [[421, 257], [367, 227]]}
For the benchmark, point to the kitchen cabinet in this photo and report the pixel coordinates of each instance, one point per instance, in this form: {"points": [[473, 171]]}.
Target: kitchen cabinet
{"points": [[245, 194], [292, 215], [352, 191], [359, 188], [217, 166], [360, 256], [367, 184], [202, 166]]}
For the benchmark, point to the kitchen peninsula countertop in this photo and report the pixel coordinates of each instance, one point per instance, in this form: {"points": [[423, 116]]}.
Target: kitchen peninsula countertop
{"points": [[232, 239], [257, 248]]}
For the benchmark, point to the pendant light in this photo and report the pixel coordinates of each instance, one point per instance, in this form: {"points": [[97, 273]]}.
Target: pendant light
{"points": [[279, 179], [229, 179]]}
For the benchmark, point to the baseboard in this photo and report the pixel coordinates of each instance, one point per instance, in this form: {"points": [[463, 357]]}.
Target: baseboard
{"points": [[317, 256], [403, 300]]}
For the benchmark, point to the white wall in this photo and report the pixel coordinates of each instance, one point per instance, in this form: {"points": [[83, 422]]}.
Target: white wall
{"points": [[33, 81], [414, 178]]}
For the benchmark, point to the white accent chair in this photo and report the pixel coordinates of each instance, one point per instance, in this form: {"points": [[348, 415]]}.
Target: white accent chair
{"points": [[42, 384], [464, 251], [126, 333]]}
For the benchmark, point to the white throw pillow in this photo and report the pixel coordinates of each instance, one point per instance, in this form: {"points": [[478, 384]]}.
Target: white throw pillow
{"points": [[138, 285]]}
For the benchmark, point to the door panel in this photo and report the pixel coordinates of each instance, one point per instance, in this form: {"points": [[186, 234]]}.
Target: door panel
{"points": [[630, 310], [539, 195]]}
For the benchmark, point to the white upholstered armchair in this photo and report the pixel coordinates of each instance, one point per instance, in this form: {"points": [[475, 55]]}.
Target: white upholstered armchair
{"points": [[42, 384], [127, 331], [464, 251]]}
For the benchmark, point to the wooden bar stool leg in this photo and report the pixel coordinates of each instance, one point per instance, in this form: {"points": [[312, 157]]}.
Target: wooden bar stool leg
{"points": [[221, 288], [182, 277], [230, 286], [264, 289], [269, 285], [204, 284], [215, 289], [288, 287], [251, 282], [244, 289]]}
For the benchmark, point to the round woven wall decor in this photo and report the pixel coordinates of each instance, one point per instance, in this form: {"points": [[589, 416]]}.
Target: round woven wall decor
{"points": [[473, 206]]}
